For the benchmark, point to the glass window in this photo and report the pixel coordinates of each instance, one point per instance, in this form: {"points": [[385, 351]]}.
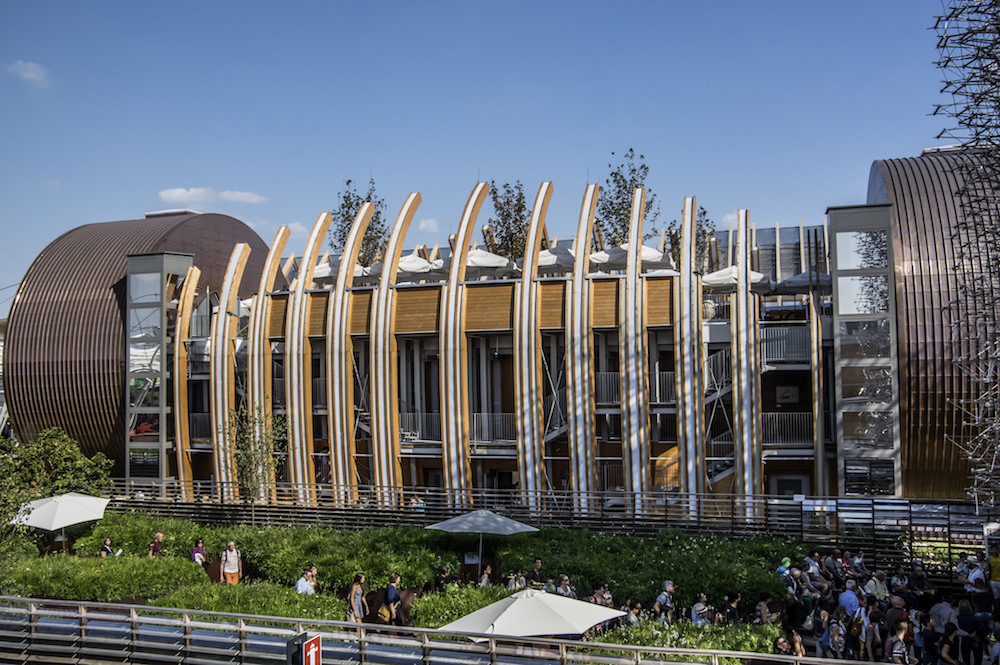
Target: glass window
{"points": [[144, 357], [144, 463], [144, 322], [865, 339], [866, 384], [144, 392], [867, 294], [862, 250], [869, 429], [869, 477], [145, 427], [144, 287]]}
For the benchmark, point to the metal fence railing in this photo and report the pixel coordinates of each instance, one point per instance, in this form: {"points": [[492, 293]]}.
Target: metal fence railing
{"points": [[69, 632], [888, 530]]}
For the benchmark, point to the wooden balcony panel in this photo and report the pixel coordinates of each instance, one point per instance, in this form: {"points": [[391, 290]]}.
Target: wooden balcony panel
{"points": [[489, 307]]}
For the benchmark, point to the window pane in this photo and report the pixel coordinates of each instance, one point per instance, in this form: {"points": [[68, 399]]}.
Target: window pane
{"points": [[868, 294], [144, 288], [858, 250], [144, 392], [145, 427], [868, 429], [144, 463], [144, 322], [866, 384], [144, 357], [865, 339], [869, 477]]}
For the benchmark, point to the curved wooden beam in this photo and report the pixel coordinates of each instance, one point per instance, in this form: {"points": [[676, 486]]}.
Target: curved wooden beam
{"points": [[746, 372], [298, 359], [528, 356], [633, 358], [222, 372], [258, 344], [384, 356], [182, 412], [454, 355], [340, 360], [690, 362], [580, 396]]}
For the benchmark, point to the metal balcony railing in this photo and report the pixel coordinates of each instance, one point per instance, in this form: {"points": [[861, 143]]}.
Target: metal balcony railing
{"points": [[787, 429], [664, 388], [416, 427], [319, 393], [492, 427], [200, 425], [609, 387], [785, 343]]}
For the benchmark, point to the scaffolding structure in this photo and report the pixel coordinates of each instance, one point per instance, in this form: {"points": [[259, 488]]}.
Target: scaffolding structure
{"points": [[969, 58]]}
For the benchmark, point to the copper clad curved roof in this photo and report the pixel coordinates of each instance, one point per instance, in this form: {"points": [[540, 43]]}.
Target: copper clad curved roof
{"points": [[924, 213], [64, 360]]}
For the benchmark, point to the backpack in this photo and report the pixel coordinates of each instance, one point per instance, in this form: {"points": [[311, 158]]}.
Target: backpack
{"points": [[889, 645], [857, 624], [824, 640]]}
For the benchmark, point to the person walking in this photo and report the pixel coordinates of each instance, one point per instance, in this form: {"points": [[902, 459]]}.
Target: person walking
{"points": [[393, 600], [358, 605], [232, 564]]}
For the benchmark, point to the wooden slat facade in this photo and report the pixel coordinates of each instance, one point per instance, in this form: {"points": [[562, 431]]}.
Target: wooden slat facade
{"points": [[277, 315], [418, 309], [361, 303], [604, 312], [489, 307], [659, 301], [552, 306]]}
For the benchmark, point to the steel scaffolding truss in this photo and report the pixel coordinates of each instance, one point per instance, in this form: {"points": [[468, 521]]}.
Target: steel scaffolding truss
{"points": [[969, 58]]}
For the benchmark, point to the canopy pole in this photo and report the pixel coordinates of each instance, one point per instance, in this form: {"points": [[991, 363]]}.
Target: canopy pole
{"points": [[479, 570]]}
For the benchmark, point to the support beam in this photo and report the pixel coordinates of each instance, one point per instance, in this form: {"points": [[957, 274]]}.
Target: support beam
{"points": [[182, 412]]}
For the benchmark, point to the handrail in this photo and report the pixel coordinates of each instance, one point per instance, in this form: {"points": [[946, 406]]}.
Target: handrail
{"points": [[72, 628]]}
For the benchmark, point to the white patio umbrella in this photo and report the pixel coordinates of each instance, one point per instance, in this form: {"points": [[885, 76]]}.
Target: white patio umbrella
{"points": [[531, 613], [554, 260], [724, 281], [802, 282], [480, 262], [482, 521], [616, 258], [55, 513]]}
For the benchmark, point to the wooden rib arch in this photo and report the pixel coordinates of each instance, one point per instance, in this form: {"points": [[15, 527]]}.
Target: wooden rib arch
{"points": [[222, 372], [384, 357], [182, 411], [454, 355], [259, 346], [528, 356], [581, 405], [632, 352], [340, 360], [298, 359]]}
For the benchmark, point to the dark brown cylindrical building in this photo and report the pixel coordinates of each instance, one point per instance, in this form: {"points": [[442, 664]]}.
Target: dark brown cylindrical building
{"points": [[66, 336]]}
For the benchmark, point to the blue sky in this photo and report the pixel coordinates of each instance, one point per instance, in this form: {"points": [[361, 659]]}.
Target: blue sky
{"points": [[262, 109]]}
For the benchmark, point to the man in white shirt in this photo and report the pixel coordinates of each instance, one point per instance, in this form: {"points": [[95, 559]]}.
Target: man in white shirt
{"points": [[305, 584]]}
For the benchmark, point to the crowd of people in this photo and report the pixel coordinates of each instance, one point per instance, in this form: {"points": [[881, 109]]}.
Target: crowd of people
{"points": [[894, 616]]}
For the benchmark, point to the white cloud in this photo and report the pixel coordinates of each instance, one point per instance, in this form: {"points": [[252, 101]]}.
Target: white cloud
{"points": [[299, 230], [32, 72], [241, 197], [428, 225], [729, 220], [183, 196], [186, 195]]}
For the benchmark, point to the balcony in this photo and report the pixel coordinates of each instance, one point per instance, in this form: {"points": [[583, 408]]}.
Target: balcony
{"points": [[492, 428], [787, 430], [785, 344], [609, 387], [200, 425], [664, 388], [420, 427], [319, 393]]}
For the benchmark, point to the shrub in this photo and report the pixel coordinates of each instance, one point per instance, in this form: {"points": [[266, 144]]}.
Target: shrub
{"points": [[260, 598], [684, 635], [433, 610], [103, 580], [636, 567]]}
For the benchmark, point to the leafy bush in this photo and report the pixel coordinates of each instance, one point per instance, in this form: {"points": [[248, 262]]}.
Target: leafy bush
{"points": [[636, 567], [684, 635], [260, 598], [103, 580], [433, 610]]}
